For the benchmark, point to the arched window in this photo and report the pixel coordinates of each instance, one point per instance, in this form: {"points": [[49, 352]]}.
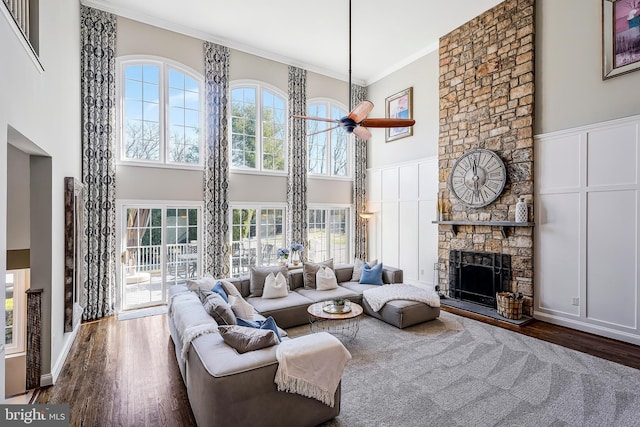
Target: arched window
{"points": [[329, 152], [160, 115], [258, 128]]}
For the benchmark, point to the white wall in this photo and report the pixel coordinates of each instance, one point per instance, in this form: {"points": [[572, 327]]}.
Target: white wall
{"points": [[18, 191], [44, 107], [423, 76], [586, 256], [570, 91], [403, 199]]}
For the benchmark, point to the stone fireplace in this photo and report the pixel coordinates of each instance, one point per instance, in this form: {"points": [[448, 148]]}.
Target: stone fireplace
{"points": [[487, 101]]}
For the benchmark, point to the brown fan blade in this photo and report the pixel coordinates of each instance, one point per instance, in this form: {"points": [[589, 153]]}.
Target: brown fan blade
{"points": [[323, 130], [387, 123], [320, 119], [360, 112], [362, 133]]}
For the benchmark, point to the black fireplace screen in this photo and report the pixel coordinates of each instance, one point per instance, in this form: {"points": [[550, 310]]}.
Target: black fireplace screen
{"points": [[477, 276]]}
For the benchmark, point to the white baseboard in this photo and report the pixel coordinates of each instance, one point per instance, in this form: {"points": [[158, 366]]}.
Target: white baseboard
{"points": [[586, 327], [51, 378]]}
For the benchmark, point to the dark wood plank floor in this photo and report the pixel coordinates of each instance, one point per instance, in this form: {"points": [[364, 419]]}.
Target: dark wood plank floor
{"points": [[124, 373]]}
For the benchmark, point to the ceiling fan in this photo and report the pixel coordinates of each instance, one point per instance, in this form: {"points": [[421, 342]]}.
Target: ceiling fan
{"points": [[356, 121]]}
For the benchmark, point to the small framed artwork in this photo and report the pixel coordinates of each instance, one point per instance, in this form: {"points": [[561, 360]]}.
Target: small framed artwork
{"points": [[399, 106], [620, 37]]}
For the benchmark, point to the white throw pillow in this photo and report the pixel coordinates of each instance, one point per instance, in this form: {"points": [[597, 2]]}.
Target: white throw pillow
{"points": [[241, 308], [275, 286], [326, 279], [206, 283], [357, 268]]}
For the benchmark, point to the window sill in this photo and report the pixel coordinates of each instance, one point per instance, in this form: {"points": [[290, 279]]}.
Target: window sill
{"points": [[14, 354], [257, 172], [160, 165], [330, 178]]}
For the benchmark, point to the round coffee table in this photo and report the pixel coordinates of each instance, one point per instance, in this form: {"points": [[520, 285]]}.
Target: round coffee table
{"points": [[342, 324]]}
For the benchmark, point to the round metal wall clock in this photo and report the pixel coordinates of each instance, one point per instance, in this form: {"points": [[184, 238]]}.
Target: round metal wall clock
{"points": [[477, 178]]}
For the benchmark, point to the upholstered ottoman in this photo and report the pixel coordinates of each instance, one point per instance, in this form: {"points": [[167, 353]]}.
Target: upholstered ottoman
{"points": [[403, 313]]}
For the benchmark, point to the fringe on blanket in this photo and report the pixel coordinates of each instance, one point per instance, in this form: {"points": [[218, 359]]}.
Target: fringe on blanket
{"points": [[304, 388], [194, 332]]}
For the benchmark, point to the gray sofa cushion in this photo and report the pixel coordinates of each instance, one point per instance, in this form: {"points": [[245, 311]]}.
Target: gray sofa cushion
{"points": [[358, 288], [340, 292], [264, 306], [402, 313], [259, 274], [311, 269]]}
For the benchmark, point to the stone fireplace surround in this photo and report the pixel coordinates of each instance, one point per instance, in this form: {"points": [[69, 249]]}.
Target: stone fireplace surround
{"points": [[486, 101]]}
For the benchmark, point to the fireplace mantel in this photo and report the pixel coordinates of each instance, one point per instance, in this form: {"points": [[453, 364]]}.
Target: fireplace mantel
{"points": [[502, 224]]}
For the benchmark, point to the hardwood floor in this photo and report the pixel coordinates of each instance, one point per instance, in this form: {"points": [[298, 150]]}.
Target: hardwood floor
{"points": [[124, 373]]}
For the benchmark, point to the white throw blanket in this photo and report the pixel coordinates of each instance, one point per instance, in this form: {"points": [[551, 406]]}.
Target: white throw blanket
{"points": [[311, 366], [378, 297], [190, 321]]}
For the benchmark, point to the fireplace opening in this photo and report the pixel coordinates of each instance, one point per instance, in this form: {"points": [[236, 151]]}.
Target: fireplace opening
{"points": [[477, 276]]}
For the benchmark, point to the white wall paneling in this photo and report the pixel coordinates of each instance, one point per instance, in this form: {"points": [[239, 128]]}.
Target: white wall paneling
{"points": [[401, 234], [586, 249]]}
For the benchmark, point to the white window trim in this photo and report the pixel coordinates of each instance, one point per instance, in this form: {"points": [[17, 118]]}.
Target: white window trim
{"points": [[20, 285], [350, 222], [259, 86], [165, 64], [330, 102]]}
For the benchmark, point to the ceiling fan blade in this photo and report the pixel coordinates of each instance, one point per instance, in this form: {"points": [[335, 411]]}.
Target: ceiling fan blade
{"points": [[362, 132], [320, 119], [387, 123], [323, 130], [360, 112]]}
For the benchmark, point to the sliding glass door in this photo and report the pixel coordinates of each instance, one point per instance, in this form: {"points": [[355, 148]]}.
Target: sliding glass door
{"points": [[160, 248]]}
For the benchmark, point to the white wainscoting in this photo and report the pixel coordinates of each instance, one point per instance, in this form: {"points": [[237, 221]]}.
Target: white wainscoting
{"points": [[401, 234], [586, 247]]}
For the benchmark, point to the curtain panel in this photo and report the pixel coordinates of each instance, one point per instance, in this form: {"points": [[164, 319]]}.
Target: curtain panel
{"points": [[216, 170], [297, 179], [98, 39], [359, 94]]}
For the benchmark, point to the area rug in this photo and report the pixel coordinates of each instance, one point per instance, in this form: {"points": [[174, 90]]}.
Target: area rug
{"points": [[455, 371]]}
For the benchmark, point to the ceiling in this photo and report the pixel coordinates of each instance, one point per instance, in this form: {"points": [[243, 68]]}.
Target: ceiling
{"points": [[386, 35]]}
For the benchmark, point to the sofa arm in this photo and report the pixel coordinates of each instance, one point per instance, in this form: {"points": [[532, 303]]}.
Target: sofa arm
{"points": [[392, 275]]}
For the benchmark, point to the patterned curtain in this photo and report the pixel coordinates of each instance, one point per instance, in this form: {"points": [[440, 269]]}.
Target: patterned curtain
{"points": [[98, 38], [297, 180], [359, 94], [216, 170]]}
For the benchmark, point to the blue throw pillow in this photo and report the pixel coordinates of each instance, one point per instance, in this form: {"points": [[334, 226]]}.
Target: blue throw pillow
{"points": [[371, 275], [268, 323], [218, 289]]}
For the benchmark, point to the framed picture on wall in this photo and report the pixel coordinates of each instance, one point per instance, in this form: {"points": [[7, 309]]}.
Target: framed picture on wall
{"points": [[399, 106], [620, 37]]}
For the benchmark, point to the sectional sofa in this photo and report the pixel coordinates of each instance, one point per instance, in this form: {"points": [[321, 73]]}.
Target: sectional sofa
{"points": [[228, 388]]}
